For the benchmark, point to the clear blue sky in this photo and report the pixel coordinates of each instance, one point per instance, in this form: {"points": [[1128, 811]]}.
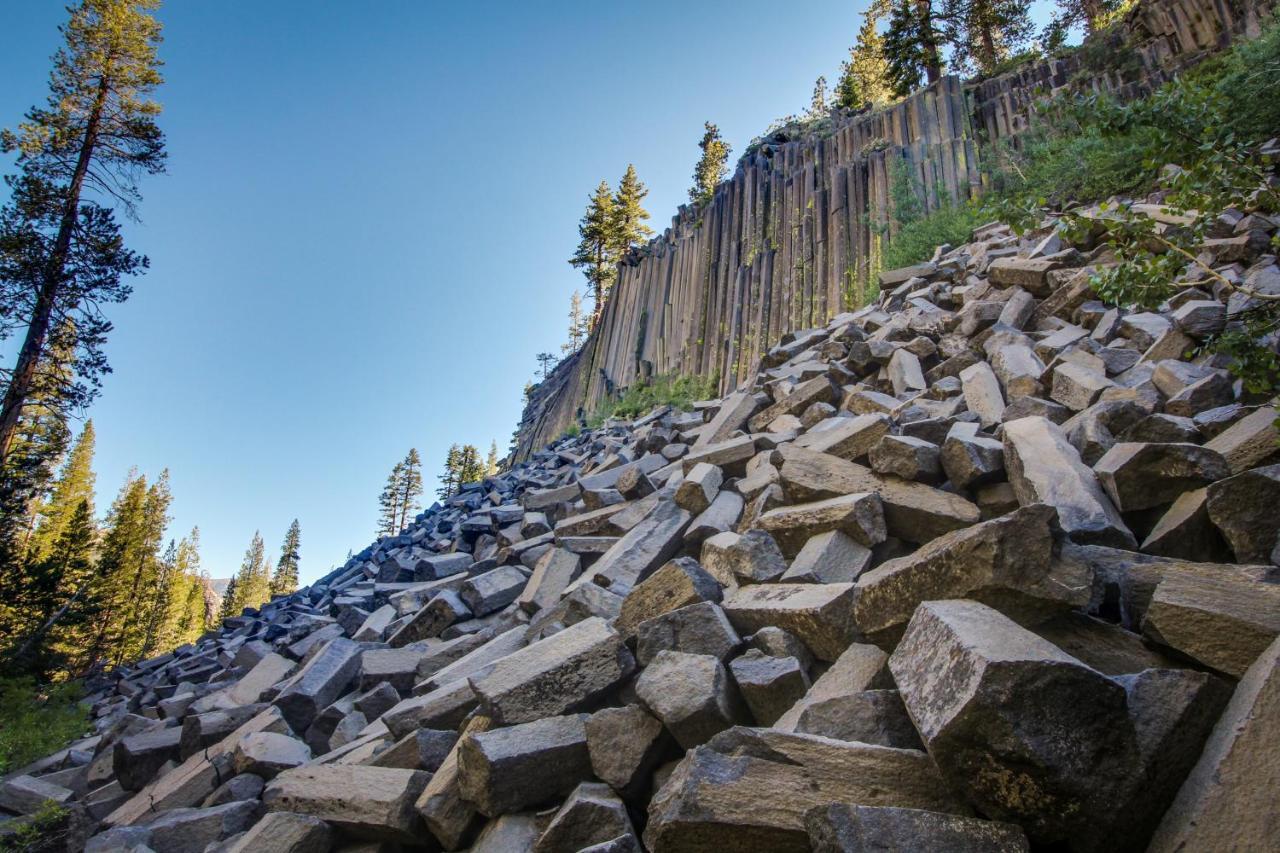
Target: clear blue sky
{"points": [[360, 245]]}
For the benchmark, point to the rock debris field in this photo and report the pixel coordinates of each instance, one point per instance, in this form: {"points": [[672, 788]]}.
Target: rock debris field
{"points": [[985, 566]]}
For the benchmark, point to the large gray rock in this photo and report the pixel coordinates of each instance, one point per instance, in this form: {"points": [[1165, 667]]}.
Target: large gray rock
{"points": [[509, 769], [563, 672], [552, 574], [715, 797], [1142, 475], [320, 681], [854, 671], [492, 590], [267, 754], [679, 583], [866, 716], [1029, 733], [626, 745], [1044, 468], [644, 549], [845, 828], [1243, 507], [860, 516], [1006, 562], [831, 557], [591, 815], [284, 832], [193, 830], [1228, 800], [769, 685], [820, 615], [700, 628], [691, 694], [737, 558], [367, 802]]}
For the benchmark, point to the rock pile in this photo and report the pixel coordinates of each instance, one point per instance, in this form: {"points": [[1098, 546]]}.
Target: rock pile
{"points": [[986, 566]]}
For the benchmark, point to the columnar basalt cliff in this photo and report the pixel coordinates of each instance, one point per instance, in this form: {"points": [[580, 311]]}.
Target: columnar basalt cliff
{"points": [[793, 238]]}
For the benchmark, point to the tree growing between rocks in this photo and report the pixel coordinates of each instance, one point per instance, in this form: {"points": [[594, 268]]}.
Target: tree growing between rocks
{"points": [[61, 256], [285, 579], [712, 166], [579, 325], [596, 254], [399, 499]]}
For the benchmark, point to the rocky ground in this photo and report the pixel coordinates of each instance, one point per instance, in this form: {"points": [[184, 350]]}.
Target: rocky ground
{"points": [[986, 566]]}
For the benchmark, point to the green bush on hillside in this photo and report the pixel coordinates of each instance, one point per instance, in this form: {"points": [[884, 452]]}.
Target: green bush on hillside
{"points": [[37, 721], [643, 397]]}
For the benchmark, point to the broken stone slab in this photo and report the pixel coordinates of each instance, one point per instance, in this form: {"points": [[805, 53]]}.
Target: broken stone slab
{"points": [[397, 667], [971, 460], [190, 830], [982, 393], [1144, 475], [27, 794], [713, 798], [723, 513], [769, 685], [907, 457], [367, 802], [591, 815], [854, 671], [737, 558], [1244, 508], [443, 707], [489, 592], [285, 832], [267, 754], [1227, 801], [677, 584], [137, 759], [850, 828], [691, 694], [913, 512], [552, 574], [1006, 562], [442, 566], [1222, 620], [555, 675], [820, 615], [905, 373], [1049, 732], [423, 749], [319, 682], [1077, 387], [1044, 468], [626, 745], [444, 609], [865, 716], [509, 832], [730, 454], [506, 770], [847, 438], [644, 548], [816, 390], [831, 557], [700, 628], [859, 515], [735, 410], [1250, 441], [1031, 274], [450, 819], [269, 671], [699, 488]]}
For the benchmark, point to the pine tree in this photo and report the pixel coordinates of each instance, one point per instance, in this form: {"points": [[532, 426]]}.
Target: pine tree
{"points": [[818, 106], [229, 607], [74, 485], [596, 254], [96, 135], [912, 45], [577, 325], [629, 215], [159, 604], [1091, 14], [409, 488], [124, 549], [253, 585], [449, 478], [864, 76], [982, 33], [470, 466], [491, 463], [545, 361], [712, 165], [389, 502], [285, 580]]}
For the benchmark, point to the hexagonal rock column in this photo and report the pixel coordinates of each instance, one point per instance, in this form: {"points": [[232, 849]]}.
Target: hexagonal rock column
{"points": [[1030, 734]]}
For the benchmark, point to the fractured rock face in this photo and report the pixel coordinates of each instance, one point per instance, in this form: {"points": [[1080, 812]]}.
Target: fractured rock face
{"points": [[368, 802], [1030, 734], [844, 828], [691, 694]]}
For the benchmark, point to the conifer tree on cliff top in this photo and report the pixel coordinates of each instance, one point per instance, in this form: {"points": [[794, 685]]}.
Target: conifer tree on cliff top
{"points": [[864, 77], [84, 150], [285, 580], [629, 215], [596, 254], [712, 165]]}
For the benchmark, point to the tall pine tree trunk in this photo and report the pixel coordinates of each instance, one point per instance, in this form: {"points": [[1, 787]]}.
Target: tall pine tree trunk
{"points": [[24, 373], [929, 41]]}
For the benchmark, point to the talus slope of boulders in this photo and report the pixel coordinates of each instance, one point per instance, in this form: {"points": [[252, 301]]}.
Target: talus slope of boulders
{"points": [[988, 565]]}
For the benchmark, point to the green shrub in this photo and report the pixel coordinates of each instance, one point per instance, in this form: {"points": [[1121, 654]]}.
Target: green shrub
{"points": [[643, 397], [37, 721], [44, 830], [915, 241]]}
